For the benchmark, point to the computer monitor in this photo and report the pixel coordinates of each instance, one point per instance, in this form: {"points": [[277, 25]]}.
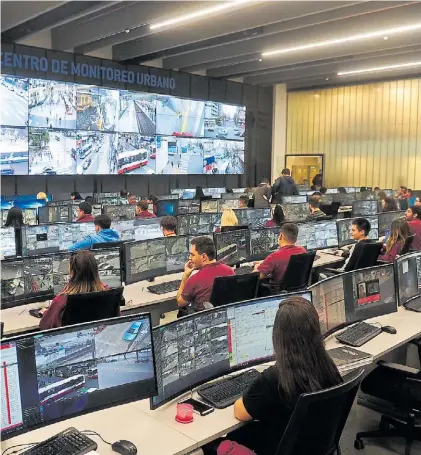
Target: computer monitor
{"points": [[315, 236], [209, 206], [408, 276], [177, 191], [109, 266], [386, 219], [228, 204], [126, 229], [325, 199], [364, 208], [70, 233], [198, 224], [263, 242], [187, 206], [188, 193], [389, 193], [214, 192], [168, 196], [295, 212], [254, 218], [8, 241], [350, 189], [40, 239], [29, 217], [344, 230], [354, 296], [331, 190], [120, 212], [114, 200], [366, 196], [167, 208], [232, 247], [294, 199], [56, 374], [198, 348], [147, 228], [231, 196], [238, 190], [303, 187], [344, 198]]}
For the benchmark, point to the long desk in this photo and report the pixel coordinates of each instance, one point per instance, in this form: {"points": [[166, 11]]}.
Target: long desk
{"points": [[157, 431], [138, 299]]}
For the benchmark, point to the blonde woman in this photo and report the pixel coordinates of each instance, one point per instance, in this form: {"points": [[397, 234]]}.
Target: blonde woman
{"points": [[84, 277], [399, 232], [229, 218]]}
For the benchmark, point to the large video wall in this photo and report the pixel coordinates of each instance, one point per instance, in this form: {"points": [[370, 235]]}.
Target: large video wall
{"points": [[59, 128]]}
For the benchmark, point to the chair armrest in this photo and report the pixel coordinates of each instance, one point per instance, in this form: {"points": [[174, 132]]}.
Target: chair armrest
{"points": [[407, 371]]}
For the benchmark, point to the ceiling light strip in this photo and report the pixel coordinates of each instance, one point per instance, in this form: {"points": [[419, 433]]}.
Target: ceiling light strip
{"points": [[348, 39], [380, 68]]}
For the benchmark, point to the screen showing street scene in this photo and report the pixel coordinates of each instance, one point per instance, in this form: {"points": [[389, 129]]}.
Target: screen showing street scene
{"points": [[52, 152], [14, 101], [179, 117], [14, 151], [96, 152], [97, 108], [136, 154], [181, 155], [223, 157], [52, 104], [137, 113], [224, 121], [72, 366]]}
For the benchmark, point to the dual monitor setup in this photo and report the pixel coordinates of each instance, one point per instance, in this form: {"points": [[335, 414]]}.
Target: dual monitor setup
{"points": [[61, 128]]}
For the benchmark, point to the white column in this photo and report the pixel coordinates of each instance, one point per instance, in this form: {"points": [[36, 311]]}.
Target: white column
{"points": [[279, 129]]}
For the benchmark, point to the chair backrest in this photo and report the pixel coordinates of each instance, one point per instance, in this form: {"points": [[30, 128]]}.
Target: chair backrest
{"points": [[92, 306], [330, 209], [233, 228], [107, 245], [297, 273], [369, 255], [318, 419], [407, 245], [230, 289]]}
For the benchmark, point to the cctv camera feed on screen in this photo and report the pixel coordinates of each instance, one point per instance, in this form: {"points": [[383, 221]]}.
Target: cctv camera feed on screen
{"points": [[409, 276], [232, 247], [224, 121], [52, 375], [345, 230], [319, 235], [61, 128]]}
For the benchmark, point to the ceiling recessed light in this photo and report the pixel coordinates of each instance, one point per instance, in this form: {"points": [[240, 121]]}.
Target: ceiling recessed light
{"points": [[197, 14], [385, 38], [260, 60], [380, 68], [345, 39], [327, 79]]}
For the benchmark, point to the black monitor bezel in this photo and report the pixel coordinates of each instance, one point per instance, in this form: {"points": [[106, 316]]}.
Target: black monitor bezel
{"points": [[396, 270], [357, 201], [230, 370], [384, 214], [247, 237], [171, 201], [75, 328]]}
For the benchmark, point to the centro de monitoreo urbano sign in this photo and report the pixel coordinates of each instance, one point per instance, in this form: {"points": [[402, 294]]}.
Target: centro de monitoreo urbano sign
{"points": [[65, 67]]}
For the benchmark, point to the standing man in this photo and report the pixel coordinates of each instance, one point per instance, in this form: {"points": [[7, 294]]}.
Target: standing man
{"points": [[262, 195], [284, 186], [318, 179]]}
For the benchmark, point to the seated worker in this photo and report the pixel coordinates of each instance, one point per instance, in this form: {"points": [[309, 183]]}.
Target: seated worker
{"points": [[278, 217], [402, 193], [132, 200], [413, 216], [315, 212], [14, 218], [75, 196], [197, 289], [169, 226], [244, 200], [262, 195], [142, 210], [270, 400], [389, 205], [274, 266], [317, 195], [90, 200], [103, 234], [342, 190], [83, 277], [84, 213], [411, 198], [399, 232], [323, 190], [229, 218]]}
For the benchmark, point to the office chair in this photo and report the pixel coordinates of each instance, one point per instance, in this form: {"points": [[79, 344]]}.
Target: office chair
{"points": [[407, 245], [236, 288], [233, 228], [107, 245], [330, 209], [400, 418], [318, 419], [296, 276], [92, 306], [368, 258]]}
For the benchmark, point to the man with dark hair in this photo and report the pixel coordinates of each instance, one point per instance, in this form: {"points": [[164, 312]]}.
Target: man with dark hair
{"points": [[402, 193], [323, 190], [413, 216], [168, 226], [360, 228], [195, 290], [142, 210], [132, 200], [318, 179], [84, 213], [123, 193], [90, 200], [284, 186], [262, 195], [314, 207], [103, 234], [274, 266], [244, 200]]}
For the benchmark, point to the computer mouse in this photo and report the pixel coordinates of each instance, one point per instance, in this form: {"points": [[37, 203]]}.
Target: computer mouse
{"points": [[124, 447], [389, 329]]}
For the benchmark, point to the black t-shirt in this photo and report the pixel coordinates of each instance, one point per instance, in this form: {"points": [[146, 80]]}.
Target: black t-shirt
{"points": [[264, 403]]}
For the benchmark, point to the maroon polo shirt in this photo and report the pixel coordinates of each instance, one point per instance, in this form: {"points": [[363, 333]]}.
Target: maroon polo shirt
{"points": [[145, 214], [415, 228], [88, 218], [275, 264], [198, 287]]}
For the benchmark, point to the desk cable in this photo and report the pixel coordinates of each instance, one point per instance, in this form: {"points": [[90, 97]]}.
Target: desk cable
{"points": [[94, 433]]}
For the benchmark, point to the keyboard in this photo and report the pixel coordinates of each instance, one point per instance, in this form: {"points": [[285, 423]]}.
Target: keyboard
{"points": [[164, 288], [414, 304], [244, 270], [225, 392], [358, 334], [69, 442]]}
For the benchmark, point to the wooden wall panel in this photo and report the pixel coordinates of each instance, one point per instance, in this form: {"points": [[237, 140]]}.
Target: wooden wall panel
{"points": [[370, 134]]}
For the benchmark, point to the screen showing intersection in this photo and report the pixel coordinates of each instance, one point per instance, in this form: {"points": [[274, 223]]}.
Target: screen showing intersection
{"points": [[48, 376], [60, 128], [194, 350]]}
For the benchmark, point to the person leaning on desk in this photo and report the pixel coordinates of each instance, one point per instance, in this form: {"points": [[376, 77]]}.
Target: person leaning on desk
{"points": [[103, 234], [84, 277], [302, 366]]}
